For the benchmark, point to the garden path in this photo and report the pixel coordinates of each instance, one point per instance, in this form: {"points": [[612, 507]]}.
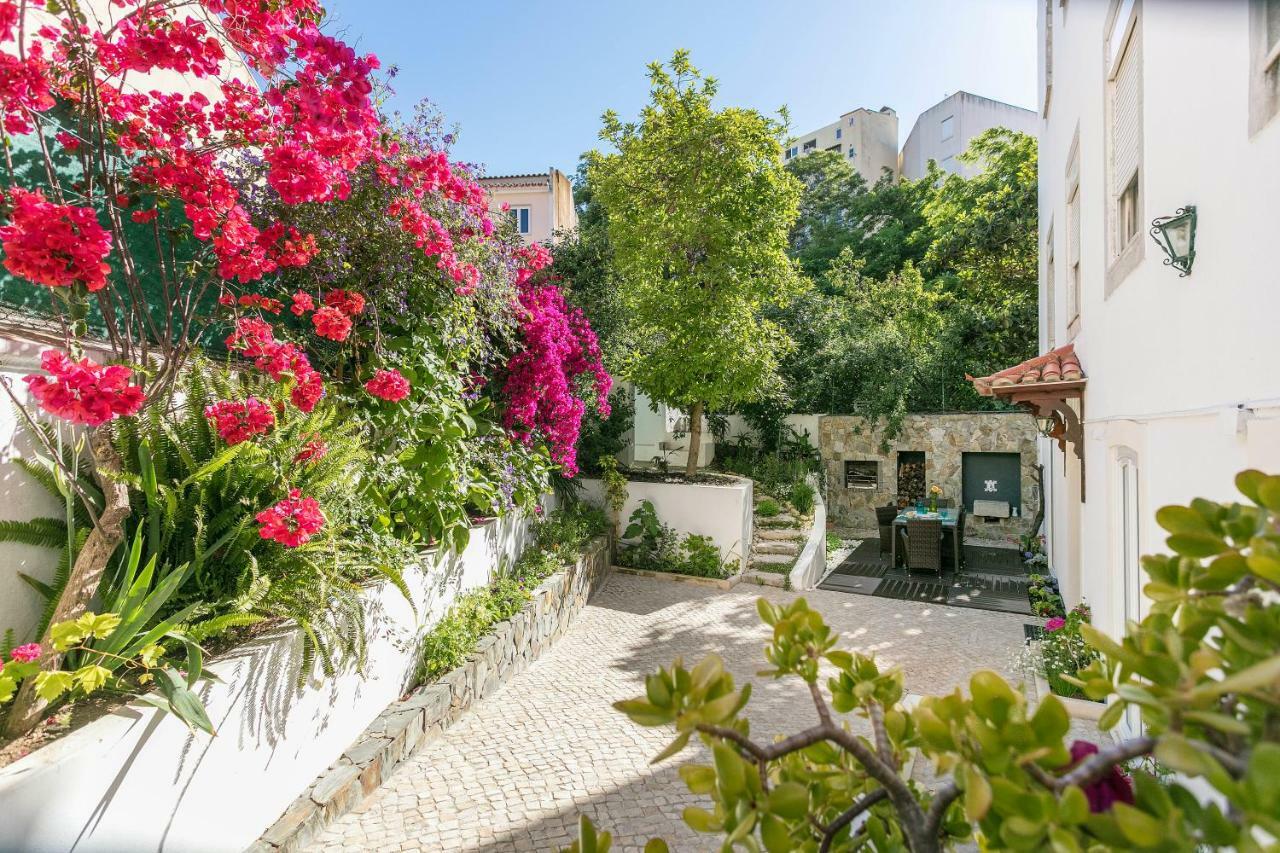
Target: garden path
{"points": [[515, 773]]}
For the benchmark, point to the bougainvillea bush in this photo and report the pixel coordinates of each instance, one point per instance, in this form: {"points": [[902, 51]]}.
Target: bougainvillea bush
{"points": [[266, 210]]}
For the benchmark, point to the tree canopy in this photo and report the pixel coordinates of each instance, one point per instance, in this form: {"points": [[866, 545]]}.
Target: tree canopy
{"points": [[700, 210]]}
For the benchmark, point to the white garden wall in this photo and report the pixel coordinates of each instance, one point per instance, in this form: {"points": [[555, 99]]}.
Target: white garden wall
{"points": [[722, 512], [137, 780]]}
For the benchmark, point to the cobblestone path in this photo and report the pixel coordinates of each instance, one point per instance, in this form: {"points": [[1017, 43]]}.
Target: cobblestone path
{"points": [[515, 773]]}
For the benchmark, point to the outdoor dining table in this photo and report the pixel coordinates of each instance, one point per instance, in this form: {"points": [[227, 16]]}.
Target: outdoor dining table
{"points": [[949, 516]]}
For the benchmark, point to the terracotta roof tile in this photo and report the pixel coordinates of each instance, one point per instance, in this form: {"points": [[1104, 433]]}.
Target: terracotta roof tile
{"points": [[1059, 365]]}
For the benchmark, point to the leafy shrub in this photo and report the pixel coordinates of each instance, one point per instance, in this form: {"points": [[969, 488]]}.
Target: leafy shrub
{"points": [[648, 542], [1202, 668], [1042, 591], [834, 543], [700, 557], [803, 497], [768, 508]]}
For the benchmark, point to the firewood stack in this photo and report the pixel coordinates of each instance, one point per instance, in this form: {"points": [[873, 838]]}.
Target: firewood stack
{"points": [[911, 483]]}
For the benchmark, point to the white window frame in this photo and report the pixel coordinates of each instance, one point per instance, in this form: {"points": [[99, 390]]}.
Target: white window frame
{"points": [[1127, 545], [947, 129], [515, 210], [839, 131], [1075, 238], [853, 152], [1264, 66], [1124, 251], [1050, 291], [1048, 59]]}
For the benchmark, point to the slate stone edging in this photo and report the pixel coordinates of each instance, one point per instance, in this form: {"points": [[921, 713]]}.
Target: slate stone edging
{"points": [[718, 583], [407, 725]]}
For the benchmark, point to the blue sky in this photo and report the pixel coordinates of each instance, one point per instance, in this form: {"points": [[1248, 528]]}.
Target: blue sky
{"points": [[526, 82]]}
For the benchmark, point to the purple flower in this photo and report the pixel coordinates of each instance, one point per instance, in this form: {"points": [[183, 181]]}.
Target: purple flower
{"points": [[1055, 624], [1113, 787]]}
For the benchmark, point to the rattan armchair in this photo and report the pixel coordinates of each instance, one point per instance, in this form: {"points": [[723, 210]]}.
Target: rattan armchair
{"points": [[953, 545], [923, 540], [884, 520]]}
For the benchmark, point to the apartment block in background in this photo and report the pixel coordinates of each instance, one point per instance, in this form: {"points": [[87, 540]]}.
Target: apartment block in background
{"points": [[540, 204], [868, 139], [944, 130]]}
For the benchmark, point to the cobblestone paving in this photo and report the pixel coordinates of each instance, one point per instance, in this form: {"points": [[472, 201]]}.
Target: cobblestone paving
{"points": [[515, 773]]}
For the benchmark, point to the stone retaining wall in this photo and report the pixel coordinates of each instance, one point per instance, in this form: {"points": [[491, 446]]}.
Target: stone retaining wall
{"points": [[410, 723], [944, 439]]}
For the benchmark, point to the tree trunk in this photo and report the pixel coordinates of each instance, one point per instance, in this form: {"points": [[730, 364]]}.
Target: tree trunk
{"points": [[86, 573], [695, 440]]}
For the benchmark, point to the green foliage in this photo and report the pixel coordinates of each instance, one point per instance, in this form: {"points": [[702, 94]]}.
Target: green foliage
{"points": [[194, 503], [777, 473], [558, 541], [1202, 669], [803, 497], [1044, 597], [768, 508], [703, 243], [650, 544], [607, 436], [1064, 652], [105, 652], [833, 543]]}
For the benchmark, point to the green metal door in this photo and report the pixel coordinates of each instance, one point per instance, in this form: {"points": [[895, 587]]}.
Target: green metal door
{"points": [[992, 477]]}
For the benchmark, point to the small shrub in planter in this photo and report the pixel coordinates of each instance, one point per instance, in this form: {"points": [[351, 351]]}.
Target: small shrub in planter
{"points": [[655, 546], [768, 508], [803, 497]]}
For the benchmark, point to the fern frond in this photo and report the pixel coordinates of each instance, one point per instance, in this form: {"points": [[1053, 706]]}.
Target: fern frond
{"points": [[43, 532]]}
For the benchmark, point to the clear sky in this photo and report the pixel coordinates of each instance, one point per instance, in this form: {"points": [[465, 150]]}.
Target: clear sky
{"points": [[526, 82]]}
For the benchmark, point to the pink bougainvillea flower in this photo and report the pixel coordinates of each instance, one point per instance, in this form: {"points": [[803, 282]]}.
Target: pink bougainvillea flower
{"points": [[1114, 787], [240, 420], [388, 385], [84, 392], [308, 391], [313, 451], [302, 303], [292, 521], [266, 303], [1055, 624], [144, 216], [26, 653], [56, 245], [331, 323], [346, 301]]}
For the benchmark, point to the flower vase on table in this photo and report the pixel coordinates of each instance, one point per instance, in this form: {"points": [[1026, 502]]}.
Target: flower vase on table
{"points": [[934, 491]]}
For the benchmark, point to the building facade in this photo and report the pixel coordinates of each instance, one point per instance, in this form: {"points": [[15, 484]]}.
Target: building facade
{"points": [[540, 204], [944, 131], [1148, 107], [868, 139]]}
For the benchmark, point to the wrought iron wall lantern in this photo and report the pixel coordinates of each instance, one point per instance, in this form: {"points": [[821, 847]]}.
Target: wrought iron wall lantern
{"points": [[1176, 236]]}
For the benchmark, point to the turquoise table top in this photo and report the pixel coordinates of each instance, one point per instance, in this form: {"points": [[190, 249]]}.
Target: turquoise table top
{"points": [[948, 516]]}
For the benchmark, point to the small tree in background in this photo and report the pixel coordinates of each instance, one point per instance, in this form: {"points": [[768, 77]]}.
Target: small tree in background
{"points": [[700, 212]]}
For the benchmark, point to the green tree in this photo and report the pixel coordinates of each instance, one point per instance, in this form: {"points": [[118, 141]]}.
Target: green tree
{"points": [[701, 246]]}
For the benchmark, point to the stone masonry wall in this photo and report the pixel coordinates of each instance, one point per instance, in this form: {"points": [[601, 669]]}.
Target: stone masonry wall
{"points": [[426, 712], [944, 439]]}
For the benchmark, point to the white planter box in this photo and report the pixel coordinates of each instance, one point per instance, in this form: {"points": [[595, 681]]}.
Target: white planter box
{"points": [[137, 780], [722, 512]]}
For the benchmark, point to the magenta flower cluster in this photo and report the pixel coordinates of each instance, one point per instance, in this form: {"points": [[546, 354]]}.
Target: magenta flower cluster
{"points": [[561, 355]]}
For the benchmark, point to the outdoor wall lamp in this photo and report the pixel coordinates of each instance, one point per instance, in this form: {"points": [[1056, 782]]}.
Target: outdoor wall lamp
{"points": [[1176, 235], [1048, 425]]}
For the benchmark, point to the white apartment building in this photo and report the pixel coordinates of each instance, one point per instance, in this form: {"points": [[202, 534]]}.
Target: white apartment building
{"points": [[944, 131], [1147, 108], [540, 204], [868, 139]]}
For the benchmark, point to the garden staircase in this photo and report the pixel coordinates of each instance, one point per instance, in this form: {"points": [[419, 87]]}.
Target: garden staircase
{"points": [[775, 545]]}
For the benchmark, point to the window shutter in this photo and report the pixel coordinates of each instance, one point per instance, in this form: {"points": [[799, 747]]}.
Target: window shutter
{"points": [[1073, 237], [1126, 115]]}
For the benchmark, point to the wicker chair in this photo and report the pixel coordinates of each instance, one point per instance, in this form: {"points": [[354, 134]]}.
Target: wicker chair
{"points": [[954, 541], [946, 503], [923, 540], [884, 520]]}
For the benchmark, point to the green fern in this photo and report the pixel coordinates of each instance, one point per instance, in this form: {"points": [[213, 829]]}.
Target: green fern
{"points": [[43, 532]]}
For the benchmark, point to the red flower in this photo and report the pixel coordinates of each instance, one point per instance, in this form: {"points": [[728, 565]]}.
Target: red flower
{"points": [[1114, 787], [266, 303], [346, 301], [84, 392], [226, 300], [292, 521], [302, 303], [144, 216], [239, 420], [56, 245], [27, 653], [308, 391], [332, 324], [388, 385], [313, 451]]}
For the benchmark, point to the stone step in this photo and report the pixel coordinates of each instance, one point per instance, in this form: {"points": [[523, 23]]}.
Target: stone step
{"points": [[774, 546], [767, 579], [780, 519], [775, 533], [773, 559]]}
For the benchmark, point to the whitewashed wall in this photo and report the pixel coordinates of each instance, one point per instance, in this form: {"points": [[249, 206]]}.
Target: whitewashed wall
{"points": [[137, 780], [803, 425], [1182, 371], [722, 512]]}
